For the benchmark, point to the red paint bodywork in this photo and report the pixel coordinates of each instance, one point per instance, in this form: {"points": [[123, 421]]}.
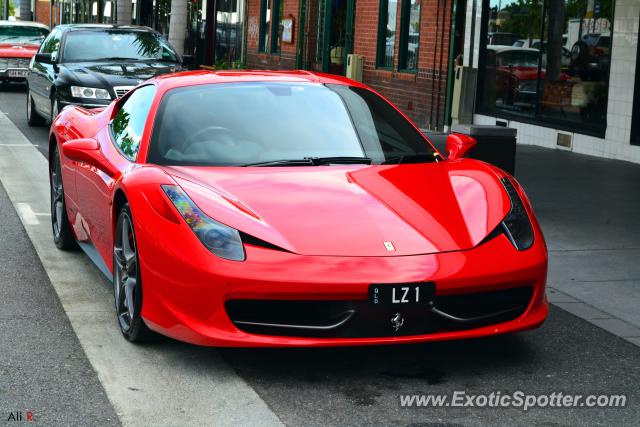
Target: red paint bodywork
{"points": [[331, 220], [17, 50]]}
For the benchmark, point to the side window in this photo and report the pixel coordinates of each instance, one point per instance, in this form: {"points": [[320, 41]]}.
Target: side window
{"points": [[52, 43], [128, 124]]}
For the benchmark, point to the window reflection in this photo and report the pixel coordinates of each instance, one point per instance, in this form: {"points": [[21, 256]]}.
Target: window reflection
{"points": [[548, 60]]}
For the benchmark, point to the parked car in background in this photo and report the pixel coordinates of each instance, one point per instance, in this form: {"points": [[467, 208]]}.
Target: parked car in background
{"points": [[515, 70], [590, 56], [564, 52], [502, 39], [19, 41], [90, 65]]}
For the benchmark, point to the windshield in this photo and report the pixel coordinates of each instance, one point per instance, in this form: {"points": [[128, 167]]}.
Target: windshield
{"points": [[22, 34], [116, 45], [525, 58], [239, 124]]}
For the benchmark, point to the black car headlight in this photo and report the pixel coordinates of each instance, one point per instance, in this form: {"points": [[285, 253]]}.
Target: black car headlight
{"points": [[516, 225], [220, 239], [89, 92]]}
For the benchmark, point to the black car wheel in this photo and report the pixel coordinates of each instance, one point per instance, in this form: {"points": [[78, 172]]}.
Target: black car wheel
{"points": [[33, 118], [62, 234], [55, 108], [127, 283]]}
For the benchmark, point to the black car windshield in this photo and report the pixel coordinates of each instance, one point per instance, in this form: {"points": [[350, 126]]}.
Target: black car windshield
{"points": [[238, 124], [101, 45], [22, 34]]}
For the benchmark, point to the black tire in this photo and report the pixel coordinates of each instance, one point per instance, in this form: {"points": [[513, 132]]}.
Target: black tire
{"points": [[55, 108], [33, 118], [127, 283], [62, 233]]}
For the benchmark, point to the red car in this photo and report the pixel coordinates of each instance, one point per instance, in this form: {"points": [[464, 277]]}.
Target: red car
{"points": [[291, 209], [19, 42]]}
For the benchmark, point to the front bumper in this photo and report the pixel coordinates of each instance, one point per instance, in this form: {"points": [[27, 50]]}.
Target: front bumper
{"points": [[82, 103], [14, 74], [189, 293]]}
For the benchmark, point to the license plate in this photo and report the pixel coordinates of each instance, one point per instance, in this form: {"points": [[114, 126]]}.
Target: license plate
{"points": [[17, 73], [401, 294]]}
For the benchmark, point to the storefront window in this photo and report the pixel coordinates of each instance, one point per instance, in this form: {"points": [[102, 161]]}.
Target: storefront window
{"points": [[265, 17], [410, 34], [229, 23], [387, 33], [547, 61]]}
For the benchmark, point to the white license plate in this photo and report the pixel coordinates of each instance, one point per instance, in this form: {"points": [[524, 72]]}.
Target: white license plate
{"points": [[18, 73]]}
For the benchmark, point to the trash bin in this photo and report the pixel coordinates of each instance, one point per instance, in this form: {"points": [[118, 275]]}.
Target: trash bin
{"points": [[496, 144]]}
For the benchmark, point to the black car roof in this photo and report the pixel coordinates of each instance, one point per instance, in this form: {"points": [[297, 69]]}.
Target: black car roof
{"points": [[98, 27]]}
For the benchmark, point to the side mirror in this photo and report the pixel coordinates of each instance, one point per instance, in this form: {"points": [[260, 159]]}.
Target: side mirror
{"points": [[87, 150], [44, 57], [459, 145]]}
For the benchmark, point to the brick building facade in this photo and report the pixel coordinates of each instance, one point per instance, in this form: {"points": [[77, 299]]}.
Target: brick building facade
{"points": [[420, 93]]}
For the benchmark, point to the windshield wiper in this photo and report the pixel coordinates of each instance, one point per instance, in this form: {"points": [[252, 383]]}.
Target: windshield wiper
{"points": [[315, 161], [412, 158], [118, 58]]}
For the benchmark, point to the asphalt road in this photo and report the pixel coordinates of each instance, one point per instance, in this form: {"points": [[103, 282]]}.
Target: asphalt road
{"points": [[347, 386], [43, 368]]}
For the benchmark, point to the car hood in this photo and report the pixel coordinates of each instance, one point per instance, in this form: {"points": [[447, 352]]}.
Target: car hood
{"points": [[354, 210], [17, 50], [125, 73]]}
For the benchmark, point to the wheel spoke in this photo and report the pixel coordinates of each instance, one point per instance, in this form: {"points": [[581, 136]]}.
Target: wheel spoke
{"points": [[126, 244], [59, 208], [129, 287], [119, 257]]}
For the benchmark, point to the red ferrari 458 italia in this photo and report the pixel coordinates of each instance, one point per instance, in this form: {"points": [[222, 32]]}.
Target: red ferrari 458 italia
{"points": [[291, 209]]}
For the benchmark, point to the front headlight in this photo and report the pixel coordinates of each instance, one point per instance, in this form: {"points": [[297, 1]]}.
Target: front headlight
{"points": [[220, 239], [89, 92], [516, 224]]}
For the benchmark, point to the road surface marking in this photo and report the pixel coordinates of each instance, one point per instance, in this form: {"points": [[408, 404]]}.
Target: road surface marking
{"points": [[167, 383], [26, 213]]}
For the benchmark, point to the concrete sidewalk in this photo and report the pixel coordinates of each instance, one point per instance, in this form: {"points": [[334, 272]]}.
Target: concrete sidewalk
{"points": [[589, 209]]}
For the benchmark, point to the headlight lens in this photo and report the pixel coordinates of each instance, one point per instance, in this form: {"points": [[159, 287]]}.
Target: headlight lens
{"points": [[220, 239], [516, 224], [89, 92]]}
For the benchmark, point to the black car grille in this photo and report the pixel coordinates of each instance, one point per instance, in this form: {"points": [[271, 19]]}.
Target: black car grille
{"points": [[6, 63], [358, 319], [122, 90]]}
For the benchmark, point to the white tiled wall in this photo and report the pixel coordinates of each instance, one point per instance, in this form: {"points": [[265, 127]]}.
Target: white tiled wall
{"points": [[616, 143]]}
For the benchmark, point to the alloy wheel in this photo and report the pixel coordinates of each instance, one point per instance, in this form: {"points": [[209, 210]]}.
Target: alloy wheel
{"points": [[126, 272], [57, 196]]}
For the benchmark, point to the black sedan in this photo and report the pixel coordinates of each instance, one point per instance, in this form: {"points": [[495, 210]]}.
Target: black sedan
{"points": [[90, 65]]}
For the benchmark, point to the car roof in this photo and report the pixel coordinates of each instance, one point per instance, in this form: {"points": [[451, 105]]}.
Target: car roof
{"points": [[23, 24], [501, 48], [200, 77], [97, 27]]}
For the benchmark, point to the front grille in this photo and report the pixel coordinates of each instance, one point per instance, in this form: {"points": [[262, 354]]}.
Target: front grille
{"points": [[122, 90], [6, 63], [358, 319]]}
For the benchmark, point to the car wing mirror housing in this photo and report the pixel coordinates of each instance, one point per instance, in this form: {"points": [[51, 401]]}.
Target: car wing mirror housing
{"points": [[87, 150], [459, 145]]}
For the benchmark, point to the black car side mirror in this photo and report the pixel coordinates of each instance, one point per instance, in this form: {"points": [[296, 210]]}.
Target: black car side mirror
{"points": [[44, 57]]}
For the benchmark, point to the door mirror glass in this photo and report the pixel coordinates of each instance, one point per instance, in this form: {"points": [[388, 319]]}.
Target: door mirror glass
{"points": [[45, 58]]}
